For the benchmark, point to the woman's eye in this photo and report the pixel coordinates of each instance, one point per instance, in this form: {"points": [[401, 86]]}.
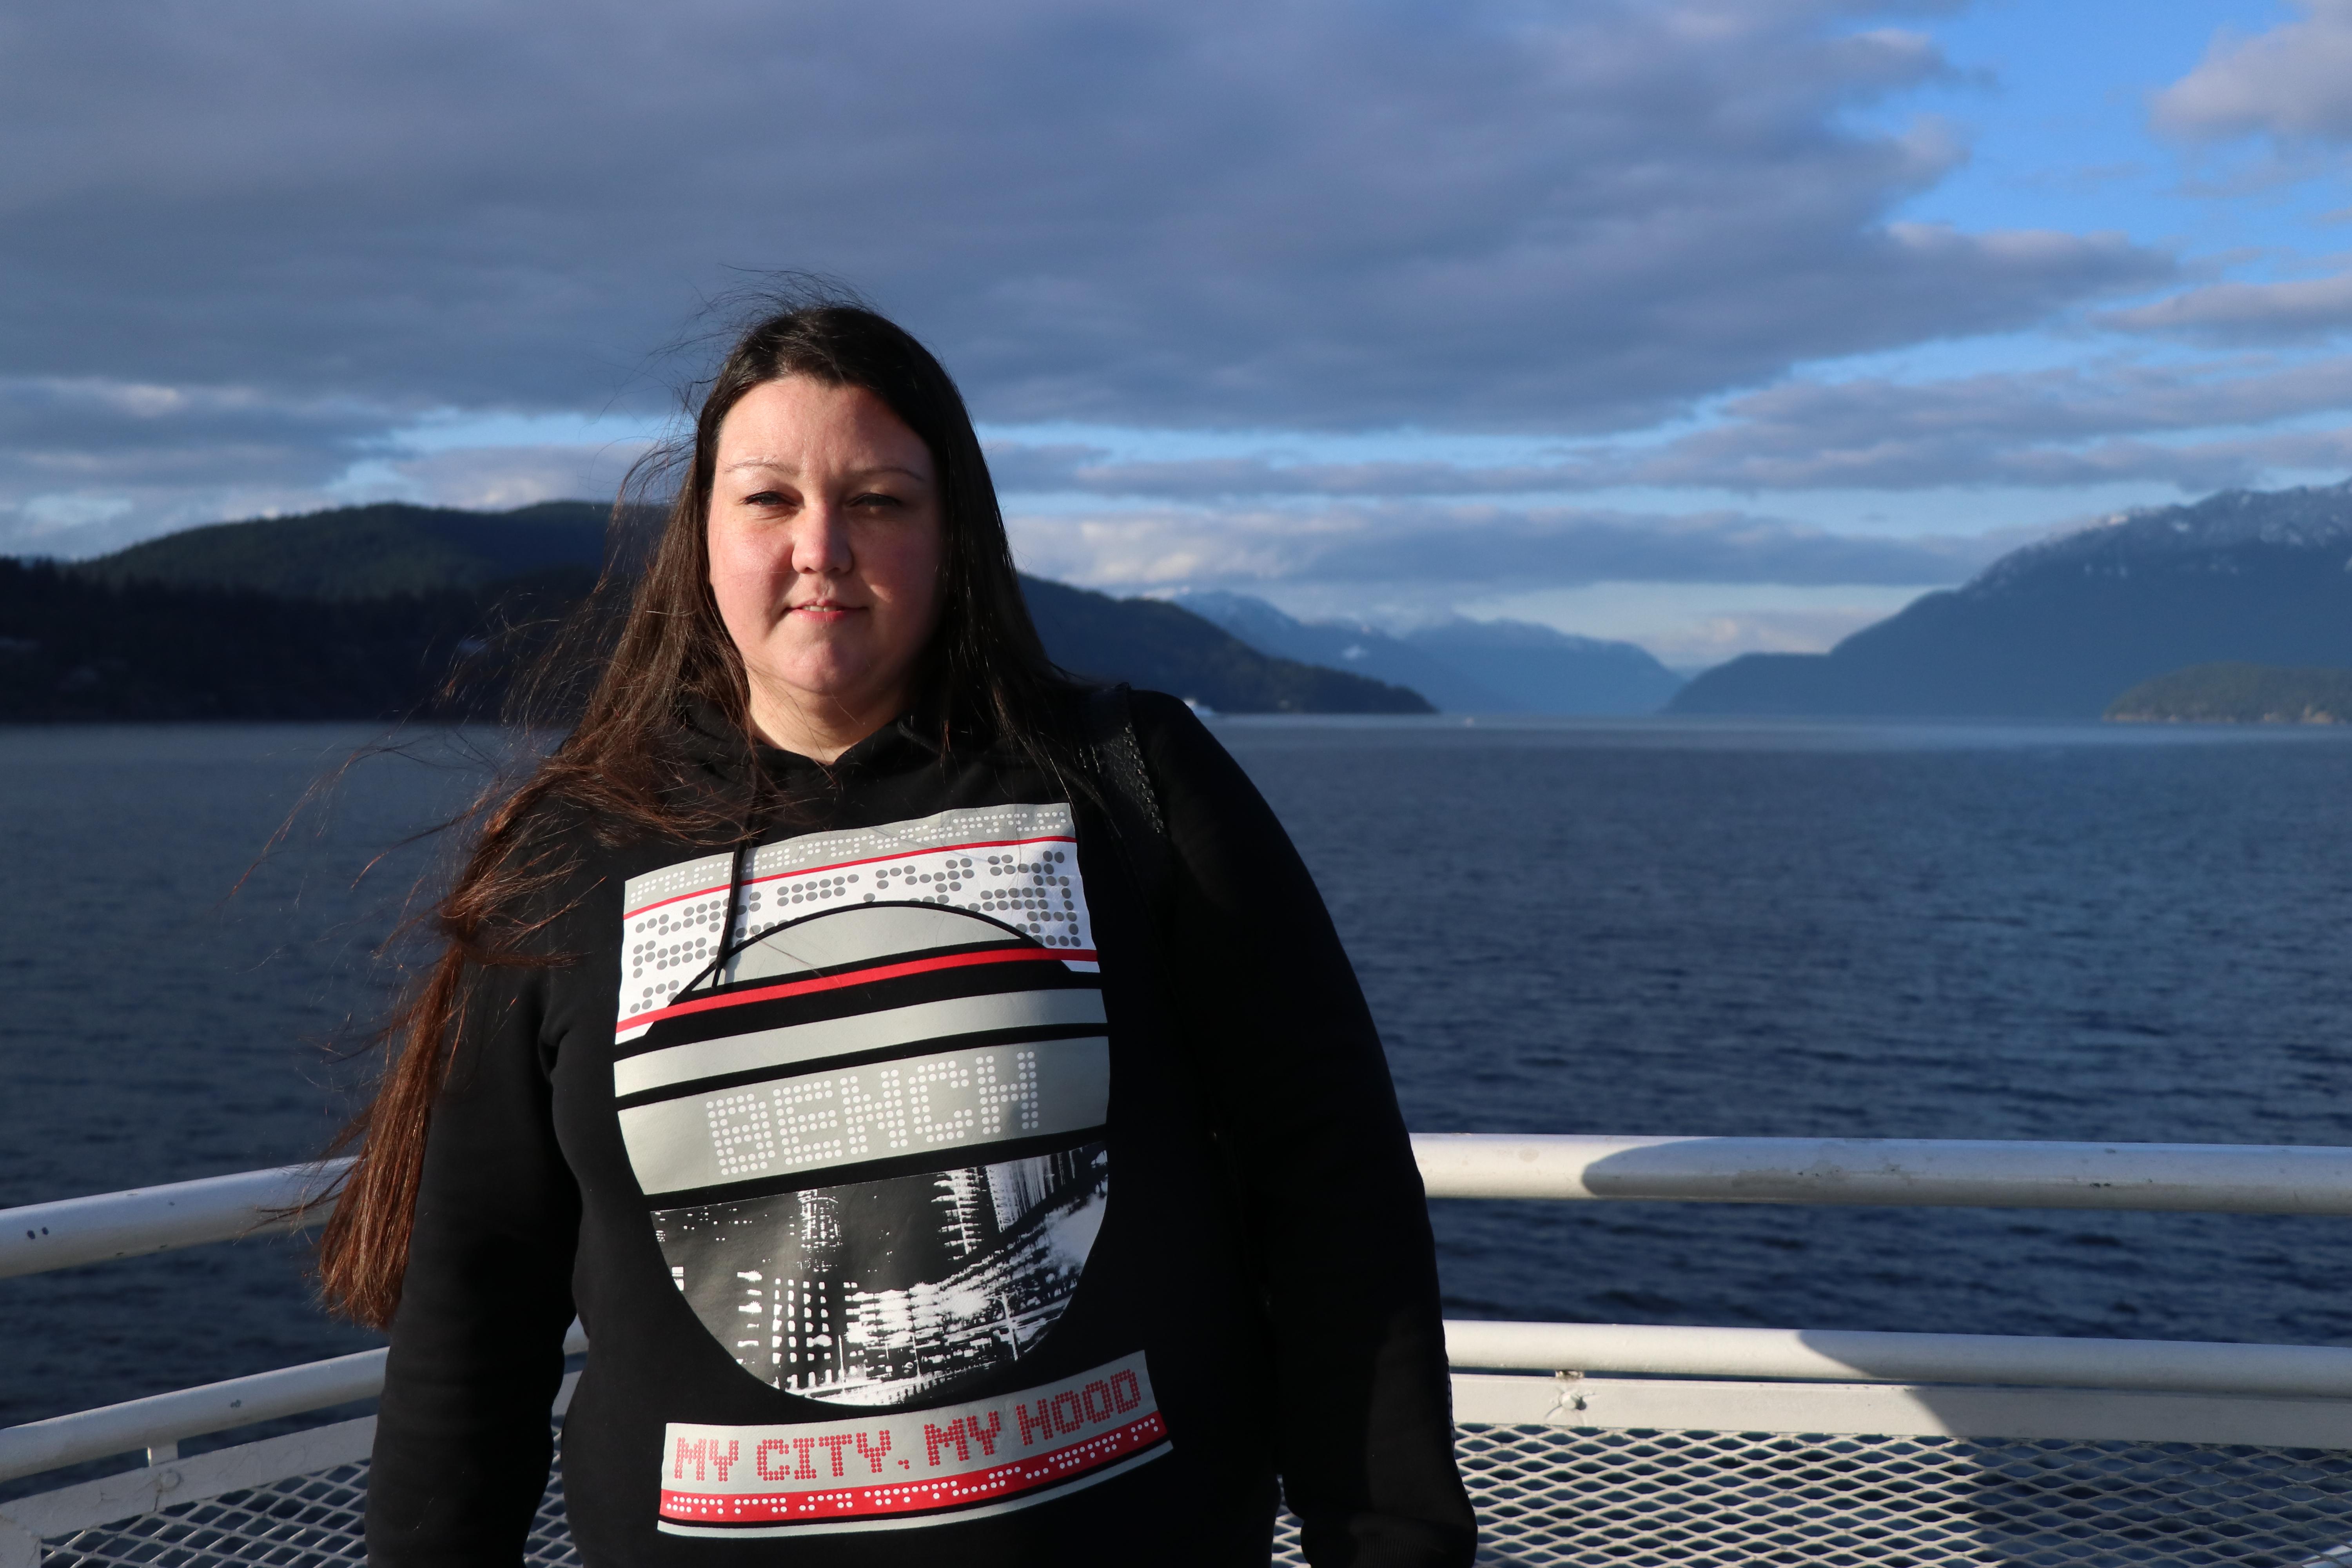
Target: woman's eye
{"points": [[875, 500], [764, 498]]}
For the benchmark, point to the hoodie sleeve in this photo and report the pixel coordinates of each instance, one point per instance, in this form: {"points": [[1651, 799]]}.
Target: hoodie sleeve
{"points": [[463, 1439], [1340, 1224]]}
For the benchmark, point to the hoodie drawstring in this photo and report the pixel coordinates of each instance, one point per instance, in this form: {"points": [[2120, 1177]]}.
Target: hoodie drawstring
{"points": [[730, 943]]}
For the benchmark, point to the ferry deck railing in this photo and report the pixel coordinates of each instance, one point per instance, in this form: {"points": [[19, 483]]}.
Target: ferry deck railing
{"points": [[1583, 1443]]}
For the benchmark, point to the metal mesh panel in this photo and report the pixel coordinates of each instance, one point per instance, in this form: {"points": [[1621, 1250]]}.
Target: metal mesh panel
{"points": [[1552, 1496], [304, 1521]]}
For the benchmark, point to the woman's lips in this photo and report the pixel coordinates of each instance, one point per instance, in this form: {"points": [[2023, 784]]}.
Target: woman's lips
{"points": [[823, 610]]}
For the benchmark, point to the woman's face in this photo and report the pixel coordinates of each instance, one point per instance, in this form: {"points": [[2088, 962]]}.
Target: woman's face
{"points": [[826, 547]]}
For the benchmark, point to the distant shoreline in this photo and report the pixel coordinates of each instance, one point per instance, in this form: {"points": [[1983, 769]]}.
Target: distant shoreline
{"points": [[2237, 693]]}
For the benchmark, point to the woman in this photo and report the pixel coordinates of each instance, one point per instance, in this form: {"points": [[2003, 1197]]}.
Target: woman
{"points": [[936, 1183]]}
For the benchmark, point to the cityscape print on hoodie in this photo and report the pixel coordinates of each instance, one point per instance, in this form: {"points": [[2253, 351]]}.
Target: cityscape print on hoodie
{"points": [[870, 1128]]}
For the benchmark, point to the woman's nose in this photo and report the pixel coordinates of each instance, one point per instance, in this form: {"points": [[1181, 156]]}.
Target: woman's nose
{"points": [[821, 541]]}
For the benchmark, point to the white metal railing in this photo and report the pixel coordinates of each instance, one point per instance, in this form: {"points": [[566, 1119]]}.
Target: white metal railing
{"points": [[159, 1421], [2224, 1178], [2209, 1178], [1851, 1355], [71, 1232], [2171, 1366]]}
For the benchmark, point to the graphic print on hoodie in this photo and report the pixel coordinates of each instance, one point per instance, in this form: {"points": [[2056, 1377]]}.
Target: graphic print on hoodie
{"points": [[870, 1127]]}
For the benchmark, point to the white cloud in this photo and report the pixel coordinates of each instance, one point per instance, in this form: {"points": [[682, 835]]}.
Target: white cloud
{"points": [[64, 512], [1693, 624], [2197, 426], [89, 465], [1311, 214], [2299, 311], [492, 478], [1467, 549], [2291, 82], [74, 525], [1720, 637]]}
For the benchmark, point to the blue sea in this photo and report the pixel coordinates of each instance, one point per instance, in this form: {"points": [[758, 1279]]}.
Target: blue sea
{"points": [[1630, 927]]}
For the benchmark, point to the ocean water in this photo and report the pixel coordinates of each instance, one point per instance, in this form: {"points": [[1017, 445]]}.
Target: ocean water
{"points": [[1635, 927]]}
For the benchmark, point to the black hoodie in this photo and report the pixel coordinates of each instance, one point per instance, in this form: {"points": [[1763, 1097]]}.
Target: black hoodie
{"points": [[960, 1210]]}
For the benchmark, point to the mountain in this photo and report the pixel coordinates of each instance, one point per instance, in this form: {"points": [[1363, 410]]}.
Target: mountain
{"points": [[1164, 648], [1463, 666], [2058, 629], [361, 613], [1535, 669], [2239, 694], [1337, 646], [365, 552]]}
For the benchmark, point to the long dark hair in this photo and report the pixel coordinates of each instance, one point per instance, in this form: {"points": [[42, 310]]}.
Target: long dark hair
{"points": [[985, 679]]}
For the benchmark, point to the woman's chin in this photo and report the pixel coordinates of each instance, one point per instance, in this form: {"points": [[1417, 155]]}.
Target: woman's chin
{"points": [[829, 692]]}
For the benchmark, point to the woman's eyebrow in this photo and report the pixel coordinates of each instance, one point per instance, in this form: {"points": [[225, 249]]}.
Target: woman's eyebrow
{"points": [[782, 465]]}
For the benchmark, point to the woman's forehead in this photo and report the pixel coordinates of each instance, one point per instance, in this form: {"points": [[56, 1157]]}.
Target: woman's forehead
{"points": [[787, 424]]}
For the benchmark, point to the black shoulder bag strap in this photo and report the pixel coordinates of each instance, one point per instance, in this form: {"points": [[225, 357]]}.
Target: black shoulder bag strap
{"points": [[1142, 832], [1127, 795]]}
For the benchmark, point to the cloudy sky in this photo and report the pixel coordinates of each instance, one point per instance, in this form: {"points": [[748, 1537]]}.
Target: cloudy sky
{"points": [[1719, 324]]}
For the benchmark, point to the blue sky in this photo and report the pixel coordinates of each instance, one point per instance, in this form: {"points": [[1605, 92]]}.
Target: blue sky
{"points": [[1713, 325]]}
